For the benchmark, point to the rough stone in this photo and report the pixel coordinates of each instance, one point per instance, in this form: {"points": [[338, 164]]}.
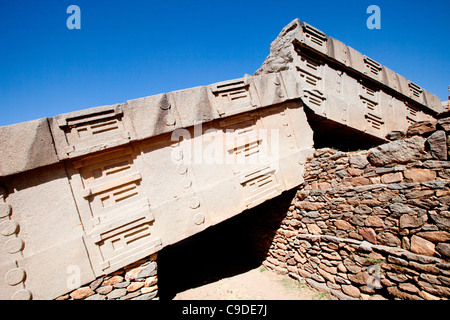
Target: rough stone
{"points": [[419, 175], [326, 275], [444, 250], [421, 128], [149, 289], [352, 291], [437, 143], [117, 293], [314, 229], [343, 225], [402, 295], [400, 151], [412, 221], [96, 283], [419, 194], [146, 296], [398, 277], [151, 281], [359, 181], [398, 209], [104, 289], [373, 221], [130, 295], [359, 278], [388, 239], [135, 286], [434, 289], [354, 171], [306, 205], [422, 246], [113, 280], [395, 135], [408, 287], [81, 293], [351, 266], [444, 123], [123, 284], [363, 209], [368, 234], [392, 177], [358, 161], [435, 236]]}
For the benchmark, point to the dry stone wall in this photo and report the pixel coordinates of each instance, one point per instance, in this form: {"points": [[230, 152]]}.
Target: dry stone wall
{"points": [[138, 281], [372, 224]]}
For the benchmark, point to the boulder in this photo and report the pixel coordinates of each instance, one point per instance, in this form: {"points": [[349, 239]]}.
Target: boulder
{"points": [[358, 161], [437, 143], [444, 123], [400, 151], [421, 128], [444, 250]]}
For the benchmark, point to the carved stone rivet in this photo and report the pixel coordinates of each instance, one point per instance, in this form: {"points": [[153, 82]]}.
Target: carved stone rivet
{"points": [[8, 227], [169, 120], [22, 294], [177, 154], [5, 210], [13, 245], [199, 218], [165, 105], [279, 92], [15, 276], [182, 168], [186, 183], [194, 203]]}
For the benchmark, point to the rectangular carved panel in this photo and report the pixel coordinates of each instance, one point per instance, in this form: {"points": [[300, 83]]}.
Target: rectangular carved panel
{"points": [[115, 213], [233, 97], [373, 68], [314, 38], [122, 241], [242, 138], [259, 185], [91, 132]]}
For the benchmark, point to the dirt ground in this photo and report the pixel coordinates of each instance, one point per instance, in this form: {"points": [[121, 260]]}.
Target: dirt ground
{"points": [[255, 284]]}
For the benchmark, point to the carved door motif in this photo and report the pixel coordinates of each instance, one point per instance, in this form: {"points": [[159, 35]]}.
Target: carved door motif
{"points": [[119, 219]]}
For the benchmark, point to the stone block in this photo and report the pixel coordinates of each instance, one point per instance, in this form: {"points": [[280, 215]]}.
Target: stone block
{"points": [[400, 151], [419, 175], [392, 177]]}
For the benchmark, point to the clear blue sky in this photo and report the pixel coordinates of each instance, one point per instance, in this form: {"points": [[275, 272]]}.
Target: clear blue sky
{"points": [[131, 49]]}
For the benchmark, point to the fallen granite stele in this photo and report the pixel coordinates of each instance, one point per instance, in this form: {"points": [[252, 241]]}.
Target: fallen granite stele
{"points": [[104, 187]]}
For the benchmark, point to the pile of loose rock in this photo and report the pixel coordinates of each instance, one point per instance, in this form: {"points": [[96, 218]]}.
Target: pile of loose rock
{"points": [[375, 223], [138, 281]]}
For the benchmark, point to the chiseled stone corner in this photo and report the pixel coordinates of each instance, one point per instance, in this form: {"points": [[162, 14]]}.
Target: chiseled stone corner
{"points": [[25, 146]]}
